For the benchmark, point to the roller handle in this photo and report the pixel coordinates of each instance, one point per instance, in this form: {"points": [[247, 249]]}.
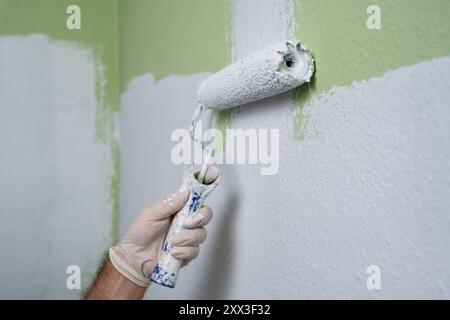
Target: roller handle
{"points": [[167, 268]]}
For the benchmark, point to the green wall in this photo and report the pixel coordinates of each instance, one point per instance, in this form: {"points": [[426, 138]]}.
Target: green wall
{"points": [[346, 50]]}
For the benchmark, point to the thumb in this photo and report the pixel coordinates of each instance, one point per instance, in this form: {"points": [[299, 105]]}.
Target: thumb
{"points": [[171, 204], [212, 174]]}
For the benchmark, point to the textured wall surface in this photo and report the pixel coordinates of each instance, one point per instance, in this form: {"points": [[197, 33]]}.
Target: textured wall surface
{"points": [[364, 169]]}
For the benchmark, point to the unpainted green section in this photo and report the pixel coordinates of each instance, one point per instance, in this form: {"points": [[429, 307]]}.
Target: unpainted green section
{"points": [[115, 191], [165, 37], [346, 50], [99, 30]]}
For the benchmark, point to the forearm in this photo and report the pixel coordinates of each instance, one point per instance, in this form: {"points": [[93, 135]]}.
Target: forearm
{"points": [[111, 285]]}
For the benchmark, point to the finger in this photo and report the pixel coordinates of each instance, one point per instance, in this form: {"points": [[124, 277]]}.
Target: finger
{"points": [[211, 175], [185, 253], [189, 237], [170, 205], [199, 218]]}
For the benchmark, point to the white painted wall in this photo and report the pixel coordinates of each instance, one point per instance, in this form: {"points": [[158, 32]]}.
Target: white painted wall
{"points": [[54, 198], [370, 184]]}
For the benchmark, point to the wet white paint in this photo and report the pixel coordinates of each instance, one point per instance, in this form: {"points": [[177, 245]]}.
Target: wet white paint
{"points": [[54, 198]]}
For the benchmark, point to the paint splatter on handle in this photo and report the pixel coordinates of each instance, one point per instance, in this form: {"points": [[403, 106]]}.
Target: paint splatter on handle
{"points": [[167, 269]]}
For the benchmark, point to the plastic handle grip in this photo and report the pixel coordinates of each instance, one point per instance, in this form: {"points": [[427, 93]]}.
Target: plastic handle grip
{"points": [[168, 267]]}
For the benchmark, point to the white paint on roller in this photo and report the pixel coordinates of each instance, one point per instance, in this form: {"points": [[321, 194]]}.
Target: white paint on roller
{"points": [[368, 186], [147, 171], [54, 176], [257, 76]]}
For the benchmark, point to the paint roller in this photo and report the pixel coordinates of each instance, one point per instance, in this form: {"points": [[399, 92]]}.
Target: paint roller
{"points": [[268, 72]]}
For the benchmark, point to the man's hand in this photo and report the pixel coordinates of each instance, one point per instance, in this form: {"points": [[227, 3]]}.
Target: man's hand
{"points": [[137, 254]]}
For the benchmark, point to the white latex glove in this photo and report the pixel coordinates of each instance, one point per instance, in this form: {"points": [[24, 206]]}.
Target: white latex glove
{"points": [[137, 254]]}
